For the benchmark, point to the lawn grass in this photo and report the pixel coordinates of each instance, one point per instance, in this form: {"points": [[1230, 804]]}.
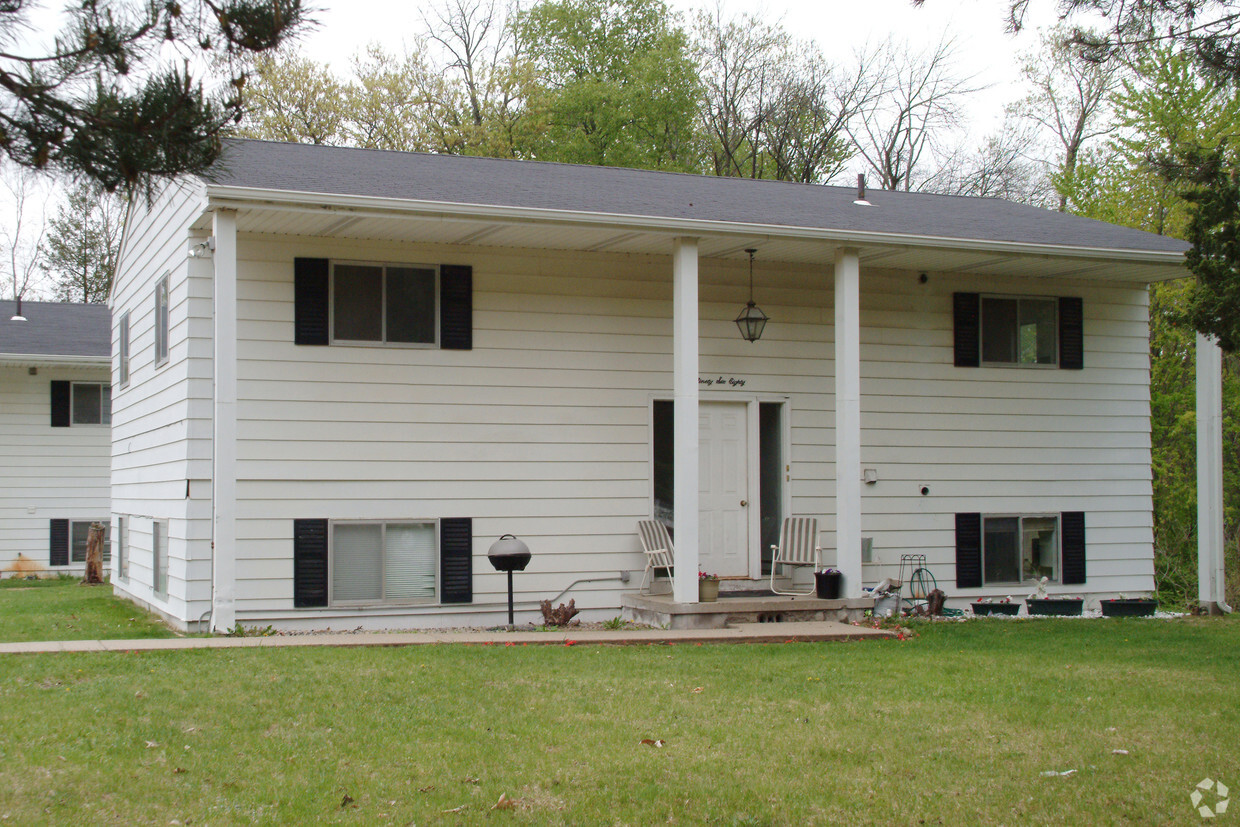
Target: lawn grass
{"points": [[61, 609], [951, 727]]}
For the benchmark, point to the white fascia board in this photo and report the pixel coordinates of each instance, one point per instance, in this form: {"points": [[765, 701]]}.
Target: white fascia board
{"points": [[35, 361], [243, 197]]}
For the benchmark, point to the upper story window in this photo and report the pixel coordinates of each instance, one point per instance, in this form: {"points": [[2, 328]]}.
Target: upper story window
{"points": [[384, 303], [1019, 330], [161, 321], [122, 349], [92, 403]]}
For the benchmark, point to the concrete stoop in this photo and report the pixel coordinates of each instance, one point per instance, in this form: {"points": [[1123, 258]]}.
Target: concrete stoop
{"points": [[661, 611]]}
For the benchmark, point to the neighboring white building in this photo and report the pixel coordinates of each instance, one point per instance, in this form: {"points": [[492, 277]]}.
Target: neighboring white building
{"points": [[55, 446], [351, 371]]}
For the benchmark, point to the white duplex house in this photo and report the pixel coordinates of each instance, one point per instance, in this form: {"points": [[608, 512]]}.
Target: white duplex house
{"points": [[55, 443], [341, 374]]}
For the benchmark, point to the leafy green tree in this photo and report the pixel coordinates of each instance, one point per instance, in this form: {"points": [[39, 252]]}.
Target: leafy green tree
{"points": [[292, 98], [114, 100], [82, 244], [621, 88]]}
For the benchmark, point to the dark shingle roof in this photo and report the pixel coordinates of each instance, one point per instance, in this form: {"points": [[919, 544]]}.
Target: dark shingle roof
{"points": [[607, 190], [53, 329]]}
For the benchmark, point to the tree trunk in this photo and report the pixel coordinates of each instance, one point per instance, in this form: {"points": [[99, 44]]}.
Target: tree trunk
{"points": [[94, 555]]}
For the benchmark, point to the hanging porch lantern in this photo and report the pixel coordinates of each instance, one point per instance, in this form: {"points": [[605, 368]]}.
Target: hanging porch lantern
{"points": [[751, 320]]}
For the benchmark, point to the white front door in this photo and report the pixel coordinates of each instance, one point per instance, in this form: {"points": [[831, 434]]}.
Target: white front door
{"points": [[723, 517]]}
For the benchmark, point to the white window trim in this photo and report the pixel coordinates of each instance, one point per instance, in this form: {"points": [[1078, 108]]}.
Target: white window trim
{"points": [[1021, 517], [331, 306], [331, 565], [122, 351], [981, 331], [73, 423], [163, 320]]}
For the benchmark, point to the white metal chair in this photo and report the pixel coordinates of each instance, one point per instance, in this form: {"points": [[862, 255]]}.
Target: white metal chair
{"points": [[657, 544], [798, 546]]}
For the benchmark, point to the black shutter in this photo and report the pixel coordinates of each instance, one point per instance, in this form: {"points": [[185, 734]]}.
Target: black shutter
{"points": [[968, 551], [58, 543], [310, 288], [966, 312], [1071, 333], [456, 307], [456, 549], [309, 563], [1072, 529], [62, 404]]}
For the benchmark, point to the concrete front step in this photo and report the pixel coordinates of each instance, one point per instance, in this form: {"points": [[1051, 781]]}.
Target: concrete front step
{"points": [[661, 611]]}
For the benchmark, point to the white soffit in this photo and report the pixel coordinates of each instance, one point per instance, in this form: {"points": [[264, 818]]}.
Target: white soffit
{"points": [[449, 230]]}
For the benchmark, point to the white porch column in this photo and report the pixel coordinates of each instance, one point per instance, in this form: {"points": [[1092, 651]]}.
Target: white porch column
{"points": [[685, 394], [848, 419], [1211, 594], [224, 415]]}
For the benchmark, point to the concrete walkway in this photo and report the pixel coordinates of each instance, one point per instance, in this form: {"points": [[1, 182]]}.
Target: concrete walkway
{"points": [[740, 633]]}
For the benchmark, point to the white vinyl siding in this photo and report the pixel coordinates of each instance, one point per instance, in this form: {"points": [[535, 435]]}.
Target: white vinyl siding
{"points": [[46, 472], [161, 424]]}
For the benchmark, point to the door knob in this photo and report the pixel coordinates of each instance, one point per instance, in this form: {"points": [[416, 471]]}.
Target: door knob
{"points": [[744, 503]]}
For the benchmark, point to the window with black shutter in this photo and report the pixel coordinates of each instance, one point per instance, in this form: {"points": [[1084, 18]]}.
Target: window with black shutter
{"points": [[1018, 330], [1015, 550]]}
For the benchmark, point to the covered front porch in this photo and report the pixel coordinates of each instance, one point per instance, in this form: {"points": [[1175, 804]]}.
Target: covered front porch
{"points": [[666, 612]]}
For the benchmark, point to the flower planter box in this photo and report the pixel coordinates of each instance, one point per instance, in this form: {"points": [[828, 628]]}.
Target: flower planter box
{"points": [[987, 609], [708, 590], [1128, 607], [1062, 607]]}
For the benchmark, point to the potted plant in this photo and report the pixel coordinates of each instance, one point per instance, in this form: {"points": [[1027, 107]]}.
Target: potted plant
{"points": [[985, 607], [1041, 603], [708, 587], [1122, 606], [827, 584]]}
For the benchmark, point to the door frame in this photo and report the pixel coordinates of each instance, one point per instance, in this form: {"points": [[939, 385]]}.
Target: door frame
{"points": [[753, 467]]}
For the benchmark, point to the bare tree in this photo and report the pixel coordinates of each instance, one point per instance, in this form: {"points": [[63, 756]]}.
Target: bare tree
{"points": [[1003, 166], [293, 98], [21, 236], [914, 116], [774, 108], [1069, 100]]}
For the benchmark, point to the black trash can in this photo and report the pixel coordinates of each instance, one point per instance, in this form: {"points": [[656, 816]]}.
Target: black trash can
{"points": [[827, 584]]}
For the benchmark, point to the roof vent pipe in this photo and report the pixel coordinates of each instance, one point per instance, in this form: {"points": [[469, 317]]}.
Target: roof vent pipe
{"points": [[18, 317], [861, 202]]}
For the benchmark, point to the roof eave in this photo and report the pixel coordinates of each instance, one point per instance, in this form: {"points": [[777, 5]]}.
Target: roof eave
{"points": [[45, 360], [239, 197]]}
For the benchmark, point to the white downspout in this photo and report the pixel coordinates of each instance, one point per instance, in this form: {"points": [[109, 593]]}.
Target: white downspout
{"points": [[685, 413], [848, 420], [1211, 581], [224, 425]]}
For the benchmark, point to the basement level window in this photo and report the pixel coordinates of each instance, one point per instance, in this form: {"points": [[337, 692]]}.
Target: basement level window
{"points": [[1020, 549], [79, 536], [376, 562]]}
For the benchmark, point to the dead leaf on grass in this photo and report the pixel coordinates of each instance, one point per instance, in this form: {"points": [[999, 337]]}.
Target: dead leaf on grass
{"points": [[459, 809], [653, 742], [179, 771], [139, 694], [346, 801], [469, 781], [698, 689], [426, 789], [504, 803], [151, 744]]}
